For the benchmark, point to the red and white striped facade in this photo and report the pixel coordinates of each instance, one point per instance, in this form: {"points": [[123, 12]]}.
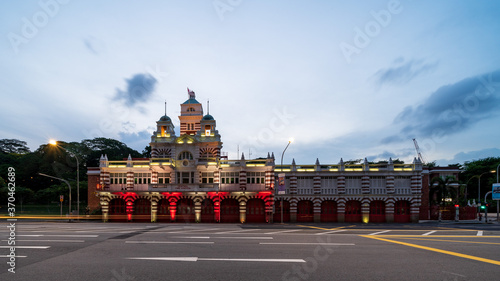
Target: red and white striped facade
{"points": [[186, 179]]}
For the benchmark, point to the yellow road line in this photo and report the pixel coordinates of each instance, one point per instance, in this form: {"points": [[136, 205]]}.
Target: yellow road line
{"points": [[436, 250], [472, 242], [438, 236]]}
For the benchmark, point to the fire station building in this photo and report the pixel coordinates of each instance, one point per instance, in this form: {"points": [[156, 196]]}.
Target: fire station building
{"points": [[188, 180]]}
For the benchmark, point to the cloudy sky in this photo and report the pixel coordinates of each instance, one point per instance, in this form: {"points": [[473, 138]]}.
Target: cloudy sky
{"points": [[350, 79]]}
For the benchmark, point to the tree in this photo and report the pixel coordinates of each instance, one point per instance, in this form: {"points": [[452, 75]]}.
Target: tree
{"points": [[146, 152], [476, 168], [441, 189], [14, 146]]}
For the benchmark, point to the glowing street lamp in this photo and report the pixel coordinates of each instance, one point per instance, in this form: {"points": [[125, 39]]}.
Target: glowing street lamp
{"points": [[282, 154], [54, 143]]}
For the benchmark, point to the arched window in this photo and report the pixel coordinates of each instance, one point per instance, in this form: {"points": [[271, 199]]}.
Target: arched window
{"points": [[185, 155]]}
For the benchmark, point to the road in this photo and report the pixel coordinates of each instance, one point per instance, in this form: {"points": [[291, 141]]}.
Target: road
{"points": [[134, 251]]}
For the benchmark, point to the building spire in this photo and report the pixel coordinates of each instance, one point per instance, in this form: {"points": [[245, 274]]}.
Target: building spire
{"points": [[165, 107], [208, 106]]}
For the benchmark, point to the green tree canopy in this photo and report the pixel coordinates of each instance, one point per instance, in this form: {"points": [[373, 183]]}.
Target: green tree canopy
{"points": [[13, 146]]}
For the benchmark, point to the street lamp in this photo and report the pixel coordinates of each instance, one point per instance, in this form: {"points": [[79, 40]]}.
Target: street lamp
{"points": [[497, 171], [282, 154], [69, 187], [479, 185], [54, 143]]}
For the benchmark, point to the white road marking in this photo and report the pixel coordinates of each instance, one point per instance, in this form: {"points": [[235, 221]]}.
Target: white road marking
{"points": [[283, 231], [192, 237], [194, 259], [166, 242], [380, 232], [321, 244], [25, 247], [429, 233], [236, 231], [5, 256], [68, 241], [480, 233], [58, 235], [236, 237], [329, 232]]}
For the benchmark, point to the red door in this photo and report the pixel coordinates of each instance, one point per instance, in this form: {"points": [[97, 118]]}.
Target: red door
{"points": [[329, 211], [402, 211], [163, 211], [207, 211], [256, 211], [142, 210], [229, 211], [353, 211], [277, 211], [185, 210], [117, 210], [377, 211], [305, 211]]}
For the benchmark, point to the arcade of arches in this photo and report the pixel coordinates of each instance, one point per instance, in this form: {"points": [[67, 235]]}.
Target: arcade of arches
{"points": [[256, 210]]}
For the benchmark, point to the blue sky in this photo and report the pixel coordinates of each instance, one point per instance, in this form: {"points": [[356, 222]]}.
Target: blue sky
{"points": [[346, 79]]}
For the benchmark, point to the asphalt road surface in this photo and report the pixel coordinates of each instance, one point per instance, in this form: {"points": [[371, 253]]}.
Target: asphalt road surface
{"points": [[135, 251]]}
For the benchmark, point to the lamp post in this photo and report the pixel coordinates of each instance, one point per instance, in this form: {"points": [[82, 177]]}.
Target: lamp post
{"points": [[69, 187], [283, 154], [479, 187], [497, 171], [498, 201], [53, 142]]}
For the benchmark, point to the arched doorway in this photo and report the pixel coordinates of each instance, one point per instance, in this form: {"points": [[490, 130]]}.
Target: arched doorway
{"points": [[142, 210], [329, 211], [229, 211], [185, 210], [117, 210], [377, 211], [256, 210], [207, 211], [277, 211], [402, 211], [305, 211], [163, 211], [353, 211]]}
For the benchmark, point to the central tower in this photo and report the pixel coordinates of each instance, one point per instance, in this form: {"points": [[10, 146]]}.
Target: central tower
{"points": [[191, 114]]}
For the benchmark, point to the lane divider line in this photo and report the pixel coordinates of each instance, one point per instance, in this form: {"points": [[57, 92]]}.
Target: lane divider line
{"points": [[436, 250]]}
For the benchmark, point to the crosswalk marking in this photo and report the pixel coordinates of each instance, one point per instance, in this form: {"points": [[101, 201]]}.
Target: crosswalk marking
{"points": [[429, 233], [480, 233]]}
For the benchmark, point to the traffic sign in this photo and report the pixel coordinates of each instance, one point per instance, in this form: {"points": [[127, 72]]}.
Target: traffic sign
{"points": [[495, 193], [61, 198]]}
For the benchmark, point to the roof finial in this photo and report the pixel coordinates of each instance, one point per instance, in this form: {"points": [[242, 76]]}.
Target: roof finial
{"points": [[165, 107], [208, 106], [191, 94]]}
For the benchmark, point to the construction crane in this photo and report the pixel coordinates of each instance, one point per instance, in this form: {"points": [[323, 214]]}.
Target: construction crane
{"points": [[420, 157]]}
